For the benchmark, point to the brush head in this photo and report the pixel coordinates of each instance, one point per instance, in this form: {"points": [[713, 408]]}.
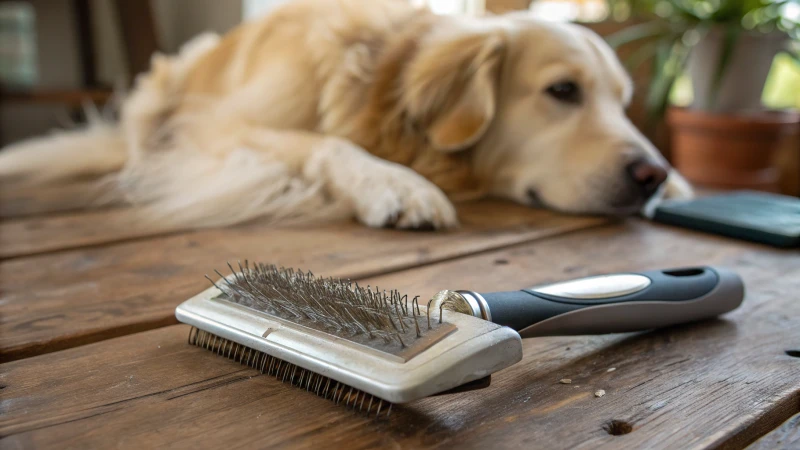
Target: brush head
{"points": [[383, 320], [376, 342]]}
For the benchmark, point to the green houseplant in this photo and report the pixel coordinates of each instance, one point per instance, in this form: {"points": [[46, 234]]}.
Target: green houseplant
{"points": [[726, 47]]}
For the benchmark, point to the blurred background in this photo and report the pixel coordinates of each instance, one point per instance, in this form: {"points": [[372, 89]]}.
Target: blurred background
{"points": [[718, 81]]}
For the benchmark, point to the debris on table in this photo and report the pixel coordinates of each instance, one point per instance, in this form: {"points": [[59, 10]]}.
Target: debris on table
{"points": [[599, 393], [611, 369], [565, 381]]}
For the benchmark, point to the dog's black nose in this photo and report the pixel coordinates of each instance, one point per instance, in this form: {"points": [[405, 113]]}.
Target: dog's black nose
{"points": [[647, 175]]}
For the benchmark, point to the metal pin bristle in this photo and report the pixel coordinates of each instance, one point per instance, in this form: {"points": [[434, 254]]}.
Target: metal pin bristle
{"points": [[336, 306], [265, 364], [326, 304], [429, 312]]}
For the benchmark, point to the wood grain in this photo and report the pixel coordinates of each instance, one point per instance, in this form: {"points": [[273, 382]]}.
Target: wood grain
{"points": [[786, 436], [716, 384], [58, 232], [57, 301], [44, 234], [22, 202]]}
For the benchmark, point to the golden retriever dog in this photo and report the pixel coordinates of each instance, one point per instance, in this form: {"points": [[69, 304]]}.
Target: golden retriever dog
{"points": [[373, 109]]}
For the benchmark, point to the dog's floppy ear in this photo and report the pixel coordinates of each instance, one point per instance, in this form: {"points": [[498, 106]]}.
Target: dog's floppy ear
{"points": [[451, 88]]}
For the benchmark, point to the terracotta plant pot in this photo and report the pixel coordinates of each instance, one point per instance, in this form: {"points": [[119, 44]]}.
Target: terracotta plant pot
{"points": [[729, 151]]}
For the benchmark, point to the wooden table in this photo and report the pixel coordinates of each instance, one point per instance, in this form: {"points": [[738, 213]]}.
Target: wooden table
{"points": [[93, 358]]}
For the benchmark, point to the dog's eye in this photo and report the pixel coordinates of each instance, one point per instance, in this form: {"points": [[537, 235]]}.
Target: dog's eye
{"points": [[565, 91]]}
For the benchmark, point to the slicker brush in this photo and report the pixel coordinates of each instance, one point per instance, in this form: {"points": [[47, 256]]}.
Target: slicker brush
{"points": [[362, 347]]}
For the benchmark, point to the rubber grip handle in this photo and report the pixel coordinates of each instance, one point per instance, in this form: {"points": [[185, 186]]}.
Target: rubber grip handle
{"points": [[618, 303]]}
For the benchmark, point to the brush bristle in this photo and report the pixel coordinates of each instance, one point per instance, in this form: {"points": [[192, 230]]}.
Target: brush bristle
{"points": [[322, 386], [327, 304]]}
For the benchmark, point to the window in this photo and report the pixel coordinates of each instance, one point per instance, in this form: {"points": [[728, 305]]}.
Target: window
{"points": [[571, 10], [473, 7]]}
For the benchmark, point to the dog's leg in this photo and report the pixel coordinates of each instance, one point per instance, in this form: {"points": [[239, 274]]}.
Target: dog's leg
{"points": [[381, 193], [240, 173]]}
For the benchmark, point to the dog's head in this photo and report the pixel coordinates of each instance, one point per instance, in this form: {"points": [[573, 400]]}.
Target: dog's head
{"points": [[541, 108]]}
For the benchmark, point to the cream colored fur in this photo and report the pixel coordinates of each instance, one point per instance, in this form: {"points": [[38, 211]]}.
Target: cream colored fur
{"points": [[95, 150], [314, 111]]}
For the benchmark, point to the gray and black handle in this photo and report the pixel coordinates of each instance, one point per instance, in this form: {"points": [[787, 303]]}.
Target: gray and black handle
{"points": [[614, 303]]}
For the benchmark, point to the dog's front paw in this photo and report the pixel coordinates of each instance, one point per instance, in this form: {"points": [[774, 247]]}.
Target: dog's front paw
{"points": [[381, 193], [396, 196]]}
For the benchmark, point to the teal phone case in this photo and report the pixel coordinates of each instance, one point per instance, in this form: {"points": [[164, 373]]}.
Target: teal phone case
{"points": [[755, 216]]}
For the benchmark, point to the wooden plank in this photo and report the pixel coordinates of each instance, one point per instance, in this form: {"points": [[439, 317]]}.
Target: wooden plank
{"points": [[157, 372], [739, 385], [57, 301], [71, 97], [786, 436], [708, 385], [44, 234], [21, 202]]}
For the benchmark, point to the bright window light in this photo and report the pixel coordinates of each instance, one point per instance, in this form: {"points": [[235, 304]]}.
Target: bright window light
{"points": [[570, 10], [473, 7]]}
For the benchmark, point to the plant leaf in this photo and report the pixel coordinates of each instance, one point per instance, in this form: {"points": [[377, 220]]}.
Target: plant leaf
{"points": [[793, 50], [684, 12], [640, 55], [795, 57], [656, 102], [638, 32], [730, 39], [668, 64]]}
